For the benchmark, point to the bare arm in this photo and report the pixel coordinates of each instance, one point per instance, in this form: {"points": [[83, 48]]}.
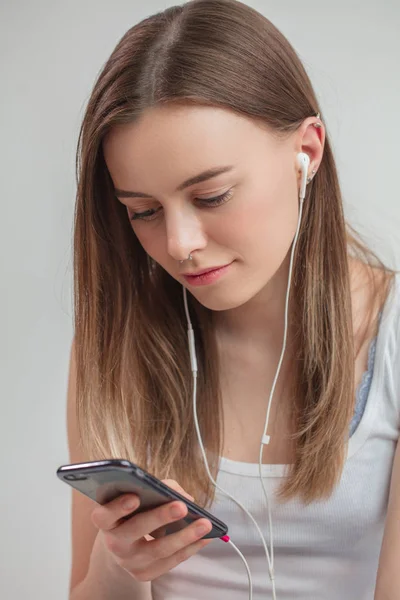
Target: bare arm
{"points": [[93, 575], [388, 577]]}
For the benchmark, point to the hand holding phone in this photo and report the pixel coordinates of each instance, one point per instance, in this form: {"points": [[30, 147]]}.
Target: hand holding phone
{"points": [[147, 541], [129, 541]]}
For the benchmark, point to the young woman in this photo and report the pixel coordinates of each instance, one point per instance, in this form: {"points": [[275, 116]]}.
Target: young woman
{"points": [[188, 160]]}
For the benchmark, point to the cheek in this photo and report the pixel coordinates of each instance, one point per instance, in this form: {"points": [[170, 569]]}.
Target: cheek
{"points": [[266, 228], [273, 217]]}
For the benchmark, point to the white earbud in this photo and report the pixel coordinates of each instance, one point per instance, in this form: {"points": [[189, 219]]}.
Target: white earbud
{"points": [[303, 162]]}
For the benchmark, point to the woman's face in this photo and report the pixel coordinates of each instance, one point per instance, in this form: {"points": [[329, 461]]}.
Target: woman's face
{"points": [[251, 226]]}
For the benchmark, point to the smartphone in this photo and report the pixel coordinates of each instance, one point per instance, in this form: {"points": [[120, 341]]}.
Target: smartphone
{"points": [[104, 480]]}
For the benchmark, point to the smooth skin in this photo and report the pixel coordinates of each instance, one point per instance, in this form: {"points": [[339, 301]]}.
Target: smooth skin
{"points": [[253, 227]]}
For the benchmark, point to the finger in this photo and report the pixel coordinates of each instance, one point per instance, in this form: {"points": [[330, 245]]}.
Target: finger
{"points": [[160, 567], [169, 545], [107, 516], [125, 536], [175, 486]]}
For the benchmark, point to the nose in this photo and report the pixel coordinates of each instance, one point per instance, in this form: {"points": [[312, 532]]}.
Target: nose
{"points": [[185, 233]]}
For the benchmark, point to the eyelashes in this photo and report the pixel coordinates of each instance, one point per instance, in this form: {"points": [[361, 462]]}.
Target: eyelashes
{"points": [[150, 215]]}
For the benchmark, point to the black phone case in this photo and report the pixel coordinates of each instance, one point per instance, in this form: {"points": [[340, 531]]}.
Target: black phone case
{"points": [[104, 480]]}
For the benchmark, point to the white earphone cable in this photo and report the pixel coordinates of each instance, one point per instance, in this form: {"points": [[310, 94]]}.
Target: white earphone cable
{"points": [[304, 162]]}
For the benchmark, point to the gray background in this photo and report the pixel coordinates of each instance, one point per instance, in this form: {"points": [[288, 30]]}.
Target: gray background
{"points": [[50, 53]]}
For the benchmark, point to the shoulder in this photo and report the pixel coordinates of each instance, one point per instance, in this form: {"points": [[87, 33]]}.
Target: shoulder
{"points": [[370, 287]]}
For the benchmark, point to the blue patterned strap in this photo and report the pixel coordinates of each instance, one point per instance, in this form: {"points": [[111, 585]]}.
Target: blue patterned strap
{"points": [[365, 384]]}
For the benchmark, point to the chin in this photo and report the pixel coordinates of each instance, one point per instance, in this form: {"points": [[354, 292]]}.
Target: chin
{"points": [[221, 300]]}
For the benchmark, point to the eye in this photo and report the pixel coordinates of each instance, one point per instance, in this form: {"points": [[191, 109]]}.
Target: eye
{"points": [[149, 215]]}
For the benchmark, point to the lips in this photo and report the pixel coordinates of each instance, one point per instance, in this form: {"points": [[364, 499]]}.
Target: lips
{"points": [[208, 277], [203, 271]]}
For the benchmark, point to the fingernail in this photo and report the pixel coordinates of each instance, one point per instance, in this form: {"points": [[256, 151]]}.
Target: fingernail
{"points": [[200, 529], [177, 511]]}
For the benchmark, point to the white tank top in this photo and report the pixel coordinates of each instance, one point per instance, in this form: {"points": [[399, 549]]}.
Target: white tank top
{"points": [[328, 550]]}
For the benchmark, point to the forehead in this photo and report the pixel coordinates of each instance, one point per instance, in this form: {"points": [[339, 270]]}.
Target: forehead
{"points": [[171, 143]]}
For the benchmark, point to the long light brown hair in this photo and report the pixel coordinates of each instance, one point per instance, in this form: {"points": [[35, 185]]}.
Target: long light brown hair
{"points": [[134, 383]]}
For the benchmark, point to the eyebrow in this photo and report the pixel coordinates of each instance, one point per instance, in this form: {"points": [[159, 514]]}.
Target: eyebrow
{"points": [[204, 176]]}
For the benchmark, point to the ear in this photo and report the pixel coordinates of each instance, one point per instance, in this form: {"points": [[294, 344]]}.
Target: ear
{"points": [[311, 140]]}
